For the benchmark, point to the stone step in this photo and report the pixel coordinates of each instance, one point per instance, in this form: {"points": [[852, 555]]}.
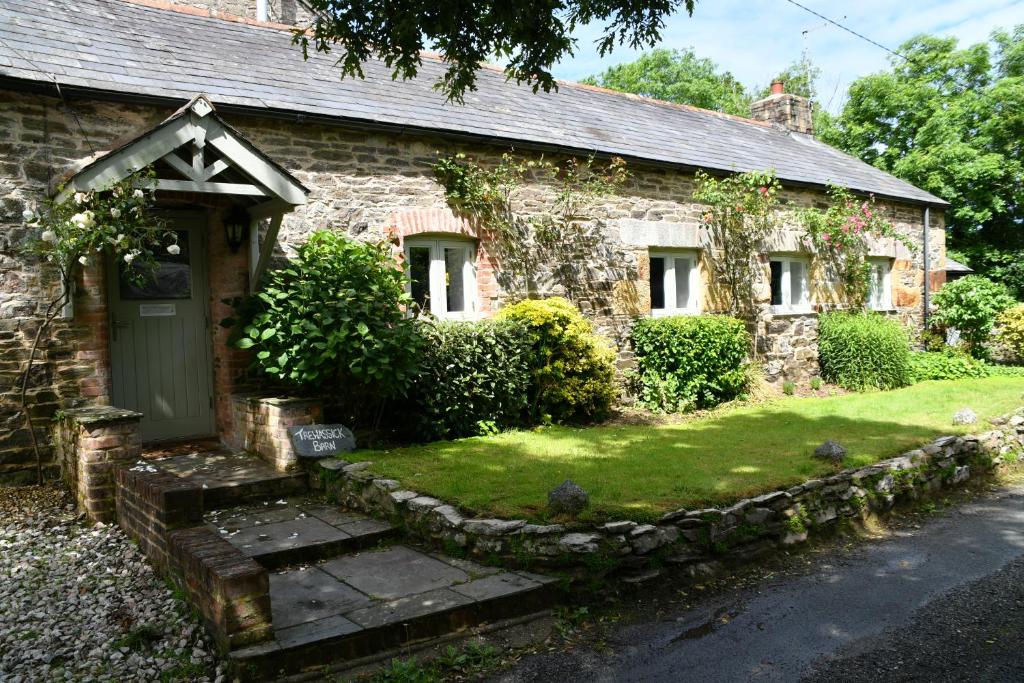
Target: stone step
{"points": [[293, 531], [231, 478], [359, 605]]}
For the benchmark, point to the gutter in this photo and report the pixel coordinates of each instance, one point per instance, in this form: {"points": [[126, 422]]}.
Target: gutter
{"points": [[362, 125], [927, 267]]}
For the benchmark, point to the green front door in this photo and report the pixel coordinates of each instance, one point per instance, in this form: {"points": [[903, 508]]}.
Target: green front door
{"points": [[160, 339]]}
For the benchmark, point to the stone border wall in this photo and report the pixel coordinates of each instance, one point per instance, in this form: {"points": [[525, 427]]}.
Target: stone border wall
{"points": [[90, 444], [259, 424], [164, 515], [700, 540]]}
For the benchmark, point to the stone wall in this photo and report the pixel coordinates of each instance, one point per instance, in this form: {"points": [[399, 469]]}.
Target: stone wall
{"points": [[697, 540], [371, 185], [91, 445]]}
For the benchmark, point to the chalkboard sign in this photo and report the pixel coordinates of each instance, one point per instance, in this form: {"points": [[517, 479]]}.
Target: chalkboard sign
{"points": [[321, 441]]}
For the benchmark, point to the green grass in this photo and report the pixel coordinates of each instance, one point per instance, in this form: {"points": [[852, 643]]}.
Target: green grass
{"points": [[640, 472]]}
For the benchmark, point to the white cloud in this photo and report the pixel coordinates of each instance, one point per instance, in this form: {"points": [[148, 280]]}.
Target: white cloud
{"points": [[755, 39]]}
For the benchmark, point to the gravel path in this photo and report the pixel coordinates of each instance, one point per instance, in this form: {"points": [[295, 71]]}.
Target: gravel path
{"points": [[79, 602]]}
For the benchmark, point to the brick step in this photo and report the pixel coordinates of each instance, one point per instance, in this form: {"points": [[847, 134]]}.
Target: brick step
{"points": [[359, 605], [233, 478], [289, 532]]}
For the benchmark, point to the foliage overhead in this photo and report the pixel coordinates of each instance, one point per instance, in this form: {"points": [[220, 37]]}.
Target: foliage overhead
{"points": [[863, 350], [333, 318], [688, 362], [951, 120], [971, 305], [678, 76], [740, 214], [530, 37], [841, 234], [573, 368], [474, 377]]}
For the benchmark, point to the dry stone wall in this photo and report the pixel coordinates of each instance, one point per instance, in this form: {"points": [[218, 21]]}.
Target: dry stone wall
{"points": [[697, 540], [364, 183]]}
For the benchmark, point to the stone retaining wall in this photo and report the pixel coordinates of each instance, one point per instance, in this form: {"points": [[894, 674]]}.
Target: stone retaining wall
{"points": [[164, 515], [699, 540], [90, 444], [260, 425]]}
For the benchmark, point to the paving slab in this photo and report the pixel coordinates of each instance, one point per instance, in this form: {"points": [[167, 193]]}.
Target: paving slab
{"points": [[302, 595], [403, 610], [229, 478], [312, 632], [290, 534], [496, 586], [394, 573]]}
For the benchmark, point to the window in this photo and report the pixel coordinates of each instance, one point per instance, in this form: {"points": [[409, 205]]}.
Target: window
{"points": [[675, 283], [880, 290], [790, 292], [442, 276]]}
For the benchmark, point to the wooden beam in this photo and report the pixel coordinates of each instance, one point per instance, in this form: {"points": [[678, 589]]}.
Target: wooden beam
{"points": [[266, 250], [179, 165], [215, 168], [251, 163], [211, 188], [269, 208]]}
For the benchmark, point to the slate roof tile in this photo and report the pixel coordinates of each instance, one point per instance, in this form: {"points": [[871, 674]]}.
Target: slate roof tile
{"points": [[137, 50]]}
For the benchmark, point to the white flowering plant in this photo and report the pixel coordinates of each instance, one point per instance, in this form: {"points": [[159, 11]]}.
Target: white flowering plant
{"points": [[76, 231]]}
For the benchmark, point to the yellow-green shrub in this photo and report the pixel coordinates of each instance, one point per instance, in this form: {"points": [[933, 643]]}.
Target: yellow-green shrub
{"points": [[1010, 325], [573, 375]]}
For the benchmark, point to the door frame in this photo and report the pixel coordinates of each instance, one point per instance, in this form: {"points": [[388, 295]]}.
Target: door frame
{"points": [[199, 248]]}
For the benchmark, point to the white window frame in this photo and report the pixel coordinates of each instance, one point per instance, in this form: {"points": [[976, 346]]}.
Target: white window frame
{"points": [[438, 301], [788, 305], [883, 266], [672, 306]]}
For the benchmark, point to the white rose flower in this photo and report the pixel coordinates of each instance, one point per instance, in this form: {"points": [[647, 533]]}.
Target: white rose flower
{"points": [[174, 250], [129, 257], [84, 261], [84, 220], [138, 194], [28, 215], [115, 212], [49, 236], [79, 197]]}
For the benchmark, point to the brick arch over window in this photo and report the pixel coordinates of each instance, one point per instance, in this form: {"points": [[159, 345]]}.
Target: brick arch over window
{"points": [[443, 221]]}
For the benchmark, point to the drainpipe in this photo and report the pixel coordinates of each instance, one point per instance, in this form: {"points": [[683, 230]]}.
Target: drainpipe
{"points": [[261, 10], [927, 266]]}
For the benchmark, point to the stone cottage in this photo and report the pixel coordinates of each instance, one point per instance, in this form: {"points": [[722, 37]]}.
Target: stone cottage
{"points": [[255, 148]]}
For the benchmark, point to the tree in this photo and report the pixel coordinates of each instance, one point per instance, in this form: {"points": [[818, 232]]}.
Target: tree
{"points": [[530, 36], [678, 76], [951, 121]]}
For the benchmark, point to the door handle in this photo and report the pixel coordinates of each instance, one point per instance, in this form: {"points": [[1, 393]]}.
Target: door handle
{"points": [[116, 325]]}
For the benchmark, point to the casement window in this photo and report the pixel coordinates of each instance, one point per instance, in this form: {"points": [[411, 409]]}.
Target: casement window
{"points": [[790, 289], [442, 276], [675, 283], [880, 281]]}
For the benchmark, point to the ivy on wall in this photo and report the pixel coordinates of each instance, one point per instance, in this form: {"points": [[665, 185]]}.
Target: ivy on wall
{"points": [[542, 244]]}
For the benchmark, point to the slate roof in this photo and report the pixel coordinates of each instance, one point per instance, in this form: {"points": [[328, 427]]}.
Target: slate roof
{"points": [[957, 267], [135, 50]]}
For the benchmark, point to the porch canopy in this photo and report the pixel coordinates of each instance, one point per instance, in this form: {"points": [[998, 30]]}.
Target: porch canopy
{"points": [[195, 150]]}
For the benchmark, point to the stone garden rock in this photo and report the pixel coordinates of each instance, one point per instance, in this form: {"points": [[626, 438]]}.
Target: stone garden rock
{"points": [[831, 451], [965, 416], [568, 499]]}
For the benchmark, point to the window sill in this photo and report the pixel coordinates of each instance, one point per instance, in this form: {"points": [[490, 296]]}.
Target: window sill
{"points": [[665, 313], [779, 312]]}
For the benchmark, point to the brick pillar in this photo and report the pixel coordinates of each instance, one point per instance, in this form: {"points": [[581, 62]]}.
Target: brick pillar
{"points": [[261, 426], [91, 444]]}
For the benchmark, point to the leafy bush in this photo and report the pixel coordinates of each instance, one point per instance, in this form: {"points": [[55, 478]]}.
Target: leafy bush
{"points": [[1011, 330], [948, 364], [573, 369], [860, 351], [475, 377], [687, 362], [971, 305], [332, 320], [1005, 370]]}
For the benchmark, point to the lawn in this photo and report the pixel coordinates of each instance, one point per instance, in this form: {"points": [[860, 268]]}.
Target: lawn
{"points": [[640, 472]]}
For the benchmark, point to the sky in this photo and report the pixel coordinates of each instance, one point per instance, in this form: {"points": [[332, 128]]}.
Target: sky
{"points": [[755, 39]]}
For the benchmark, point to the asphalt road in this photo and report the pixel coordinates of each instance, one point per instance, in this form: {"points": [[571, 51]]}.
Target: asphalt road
{"points": [[943, 602]]}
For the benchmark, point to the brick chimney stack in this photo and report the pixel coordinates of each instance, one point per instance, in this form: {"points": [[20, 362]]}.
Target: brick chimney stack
{"points": [[789, 111]]}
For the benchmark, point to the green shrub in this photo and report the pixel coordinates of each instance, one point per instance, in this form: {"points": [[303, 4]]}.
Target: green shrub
{"points": [[948, 364], [688, 362], [815, 383], [573, 369], [860, 351], [971, 304], [475, 377], [789, 388], [332, 320], [1005, 370], [1011, 330]]}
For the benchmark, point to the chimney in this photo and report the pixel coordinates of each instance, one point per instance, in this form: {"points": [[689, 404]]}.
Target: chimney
{"points": [[783, 109]]}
